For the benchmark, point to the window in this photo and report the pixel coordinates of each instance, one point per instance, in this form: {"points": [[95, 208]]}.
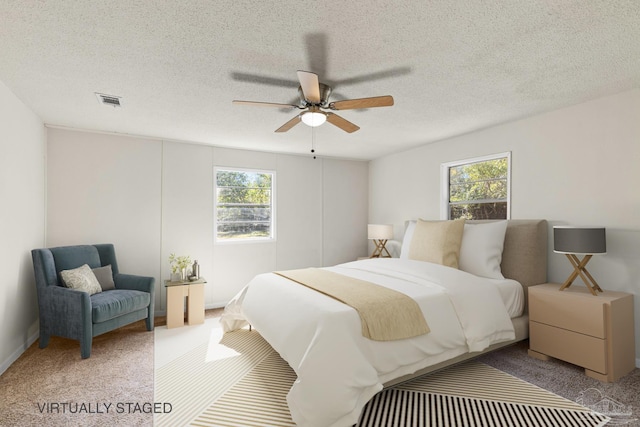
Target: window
{"points": [[244, 209], [477, 188]]}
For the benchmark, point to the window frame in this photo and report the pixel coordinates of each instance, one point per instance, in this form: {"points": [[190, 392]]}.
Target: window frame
{"points": [[446, 185], [246, 240]]}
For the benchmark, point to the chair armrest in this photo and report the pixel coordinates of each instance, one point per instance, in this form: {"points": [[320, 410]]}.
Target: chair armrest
{"points": [[65, 311], [139, 283], [136, 283], [62, 300]]}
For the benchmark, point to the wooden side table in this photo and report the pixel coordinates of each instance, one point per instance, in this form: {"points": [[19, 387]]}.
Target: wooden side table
{"points": [[176, 293], [594, 332]]}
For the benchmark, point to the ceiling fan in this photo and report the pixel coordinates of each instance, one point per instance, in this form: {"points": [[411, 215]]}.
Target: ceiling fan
{"points": [[314, 103]]}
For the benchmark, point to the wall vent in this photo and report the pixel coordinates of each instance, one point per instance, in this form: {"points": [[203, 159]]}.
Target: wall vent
{"points": [[111, 100]]}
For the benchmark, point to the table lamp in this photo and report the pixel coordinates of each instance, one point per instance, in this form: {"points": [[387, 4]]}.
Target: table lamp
{"points": [[380, 233], [574, 241]]}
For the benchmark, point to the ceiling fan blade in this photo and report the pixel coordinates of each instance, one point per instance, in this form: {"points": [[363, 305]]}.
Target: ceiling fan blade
{"points": [[265, 80], [317, 48], [342, 123], [291, 123], [392, 72], [310, 86], [265, 104], [356, 104]]}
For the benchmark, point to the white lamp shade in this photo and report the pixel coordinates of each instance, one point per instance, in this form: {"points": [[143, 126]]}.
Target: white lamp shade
{"points": [[380, 231], [313, 119]]}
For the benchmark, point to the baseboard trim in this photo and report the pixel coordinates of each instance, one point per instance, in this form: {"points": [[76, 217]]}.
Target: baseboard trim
{"points": [[215, 305], [16, 354], [638, 363]]}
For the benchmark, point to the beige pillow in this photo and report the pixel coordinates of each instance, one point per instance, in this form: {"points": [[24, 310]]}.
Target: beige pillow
{"points": [[437, 242], [81, 279]]}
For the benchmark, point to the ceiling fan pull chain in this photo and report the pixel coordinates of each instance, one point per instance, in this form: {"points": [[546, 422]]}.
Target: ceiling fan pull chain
{"points": [[313, 141]]}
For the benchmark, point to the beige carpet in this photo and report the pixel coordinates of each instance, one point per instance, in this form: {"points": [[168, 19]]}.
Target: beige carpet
{"points": [[247, 386], [56, 387]]}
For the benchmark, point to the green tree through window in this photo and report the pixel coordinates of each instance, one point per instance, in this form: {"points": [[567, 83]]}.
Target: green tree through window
{"points": [[479, 189], [244, 204]]}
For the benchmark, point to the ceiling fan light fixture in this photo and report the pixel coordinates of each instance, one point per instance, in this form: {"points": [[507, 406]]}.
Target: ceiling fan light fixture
{"points": [[313, 118], [314, 96]]}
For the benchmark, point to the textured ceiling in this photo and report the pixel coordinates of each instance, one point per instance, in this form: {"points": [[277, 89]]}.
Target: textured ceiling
{"points": [[451, 66]]}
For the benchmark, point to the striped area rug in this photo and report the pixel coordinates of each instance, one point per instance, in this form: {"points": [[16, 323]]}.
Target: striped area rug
{"points": [[204, 374], [250, 388], [394, 407]]}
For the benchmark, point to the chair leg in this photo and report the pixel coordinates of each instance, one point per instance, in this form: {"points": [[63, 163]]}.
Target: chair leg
{"points": [[44, 340], [149, 322], [85, 347]]}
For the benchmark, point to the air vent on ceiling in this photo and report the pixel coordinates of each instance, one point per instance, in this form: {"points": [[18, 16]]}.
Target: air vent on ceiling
{"points": [[111, 100]]}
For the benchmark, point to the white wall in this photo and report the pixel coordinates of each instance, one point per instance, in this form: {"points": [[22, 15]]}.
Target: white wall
{"points": [[345, 190], [22, 222], [106, 189], [187, 209], [152, 198], [574, 166]]}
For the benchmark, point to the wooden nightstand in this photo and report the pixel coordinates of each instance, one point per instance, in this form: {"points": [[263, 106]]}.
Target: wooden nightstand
{"points": [[176, 293], [595, 332]]}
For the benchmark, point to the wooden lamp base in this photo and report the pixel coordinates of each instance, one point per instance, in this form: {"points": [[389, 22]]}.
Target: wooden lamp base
{"points": [[579, 269], [380, 249]]}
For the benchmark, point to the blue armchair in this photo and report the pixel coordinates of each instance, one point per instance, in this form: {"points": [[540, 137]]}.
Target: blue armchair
{"points": [[75, 314]]}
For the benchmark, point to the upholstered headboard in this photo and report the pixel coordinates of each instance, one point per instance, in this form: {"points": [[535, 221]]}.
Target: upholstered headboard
{"points": [[524, 257]]}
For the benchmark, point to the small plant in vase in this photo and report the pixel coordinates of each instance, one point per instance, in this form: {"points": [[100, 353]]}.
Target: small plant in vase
{"points": [[179, 265]]}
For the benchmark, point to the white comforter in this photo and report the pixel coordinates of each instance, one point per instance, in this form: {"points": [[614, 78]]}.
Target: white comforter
{"points": [[339, 370]]}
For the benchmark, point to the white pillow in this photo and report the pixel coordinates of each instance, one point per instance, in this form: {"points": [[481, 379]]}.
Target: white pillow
{"points": [[82, 279], [481, 249], [406, 240]]}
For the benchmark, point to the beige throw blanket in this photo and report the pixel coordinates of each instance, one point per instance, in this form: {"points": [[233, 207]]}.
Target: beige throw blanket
{"points": [[385, 314]]}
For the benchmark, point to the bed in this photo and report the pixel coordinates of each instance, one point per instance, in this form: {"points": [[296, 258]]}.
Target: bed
{"points": [[339, 370]]}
